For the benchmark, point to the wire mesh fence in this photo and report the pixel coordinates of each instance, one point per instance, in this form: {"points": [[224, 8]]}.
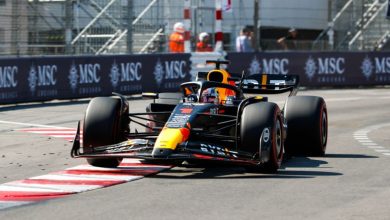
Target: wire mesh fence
{"points": [[76, 27]]}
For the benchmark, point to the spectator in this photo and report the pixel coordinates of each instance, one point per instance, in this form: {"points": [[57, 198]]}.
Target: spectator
{"points": [[203, 44], [288, 42], [176, 39], [244, 41]]}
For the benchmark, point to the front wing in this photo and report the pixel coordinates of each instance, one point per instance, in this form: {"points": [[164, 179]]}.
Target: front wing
{"points": [[142, 149]]}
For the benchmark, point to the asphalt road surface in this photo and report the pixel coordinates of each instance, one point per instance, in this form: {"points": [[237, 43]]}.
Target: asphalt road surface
{"points": [[351, 182]]}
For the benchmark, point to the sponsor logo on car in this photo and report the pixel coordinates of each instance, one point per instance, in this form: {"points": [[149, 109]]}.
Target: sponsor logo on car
{"points": [[186, 110], [266, 135], [216, 150]]}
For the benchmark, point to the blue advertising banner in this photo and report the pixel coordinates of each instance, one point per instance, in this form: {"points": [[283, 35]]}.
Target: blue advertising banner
{"points": [[48, 78], [42, 79], [318, 68]]}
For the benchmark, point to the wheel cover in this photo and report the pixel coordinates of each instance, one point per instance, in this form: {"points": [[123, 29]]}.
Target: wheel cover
{"points": [[278, 138], [324, 130]]}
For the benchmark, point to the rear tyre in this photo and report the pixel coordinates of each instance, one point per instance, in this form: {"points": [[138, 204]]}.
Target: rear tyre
{"points": [[261, 133], [307, 126], [103, 125]]}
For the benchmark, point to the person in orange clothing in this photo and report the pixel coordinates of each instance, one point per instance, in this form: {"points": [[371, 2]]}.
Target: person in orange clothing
{"points": [[203, 44], [176, 39]]}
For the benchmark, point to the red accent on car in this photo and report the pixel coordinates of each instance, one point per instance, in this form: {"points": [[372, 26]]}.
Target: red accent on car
{"points": [[186, 110]]}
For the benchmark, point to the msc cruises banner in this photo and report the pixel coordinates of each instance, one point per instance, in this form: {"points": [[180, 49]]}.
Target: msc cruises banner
{"points": [[41, 79], [320, 68], [48, 78]]}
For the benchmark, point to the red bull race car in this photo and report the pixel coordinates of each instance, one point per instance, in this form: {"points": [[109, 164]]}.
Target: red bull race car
{"points": [[211, 119]]}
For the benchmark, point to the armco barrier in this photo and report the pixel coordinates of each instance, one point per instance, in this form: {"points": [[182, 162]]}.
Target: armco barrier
{"points": [[47, 78]]}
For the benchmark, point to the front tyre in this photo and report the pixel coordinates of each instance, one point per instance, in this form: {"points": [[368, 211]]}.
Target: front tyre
{"points": [[103, 125], [261, 134]]}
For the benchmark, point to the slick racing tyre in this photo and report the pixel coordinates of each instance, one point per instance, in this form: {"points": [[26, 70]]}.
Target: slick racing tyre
{"points": [[261, 133], [103, 125], [307, 126]]}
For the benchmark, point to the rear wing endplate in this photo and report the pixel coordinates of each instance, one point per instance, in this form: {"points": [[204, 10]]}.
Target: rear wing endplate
{"points": [[269, 84]]}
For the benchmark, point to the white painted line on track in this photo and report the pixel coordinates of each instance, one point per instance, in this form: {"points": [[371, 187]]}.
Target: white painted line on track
{"points": [[382, 151], [362, 137], [31, 124], [354, 98], [375, 147], [369, 144], [365, 141], [343, 99]]}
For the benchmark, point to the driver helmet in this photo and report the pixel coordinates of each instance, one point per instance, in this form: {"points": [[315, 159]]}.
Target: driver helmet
{"points": [[209, 95]]}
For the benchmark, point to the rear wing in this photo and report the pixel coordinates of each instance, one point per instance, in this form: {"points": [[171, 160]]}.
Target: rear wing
{"points": [[269, 84], [261, 83]]}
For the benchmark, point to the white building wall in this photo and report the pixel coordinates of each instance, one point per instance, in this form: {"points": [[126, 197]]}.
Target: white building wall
{"points": [[303, 14]]}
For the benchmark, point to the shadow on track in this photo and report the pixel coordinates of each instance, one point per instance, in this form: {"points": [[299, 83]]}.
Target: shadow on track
{"points": [[293, 168], [350, 156]]}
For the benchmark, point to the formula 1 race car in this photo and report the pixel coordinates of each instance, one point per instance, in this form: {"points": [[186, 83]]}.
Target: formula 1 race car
{"points": [[209, 120]]}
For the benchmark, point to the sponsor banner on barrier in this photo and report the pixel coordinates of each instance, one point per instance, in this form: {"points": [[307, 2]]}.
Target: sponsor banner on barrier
{"points": [[11, 84], [167, 73], [318, 68], [48, 78]]}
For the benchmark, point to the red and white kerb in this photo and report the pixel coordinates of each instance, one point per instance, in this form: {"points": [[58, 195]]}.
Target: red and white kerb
{"points": [[187, 26], [218, 26]]}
